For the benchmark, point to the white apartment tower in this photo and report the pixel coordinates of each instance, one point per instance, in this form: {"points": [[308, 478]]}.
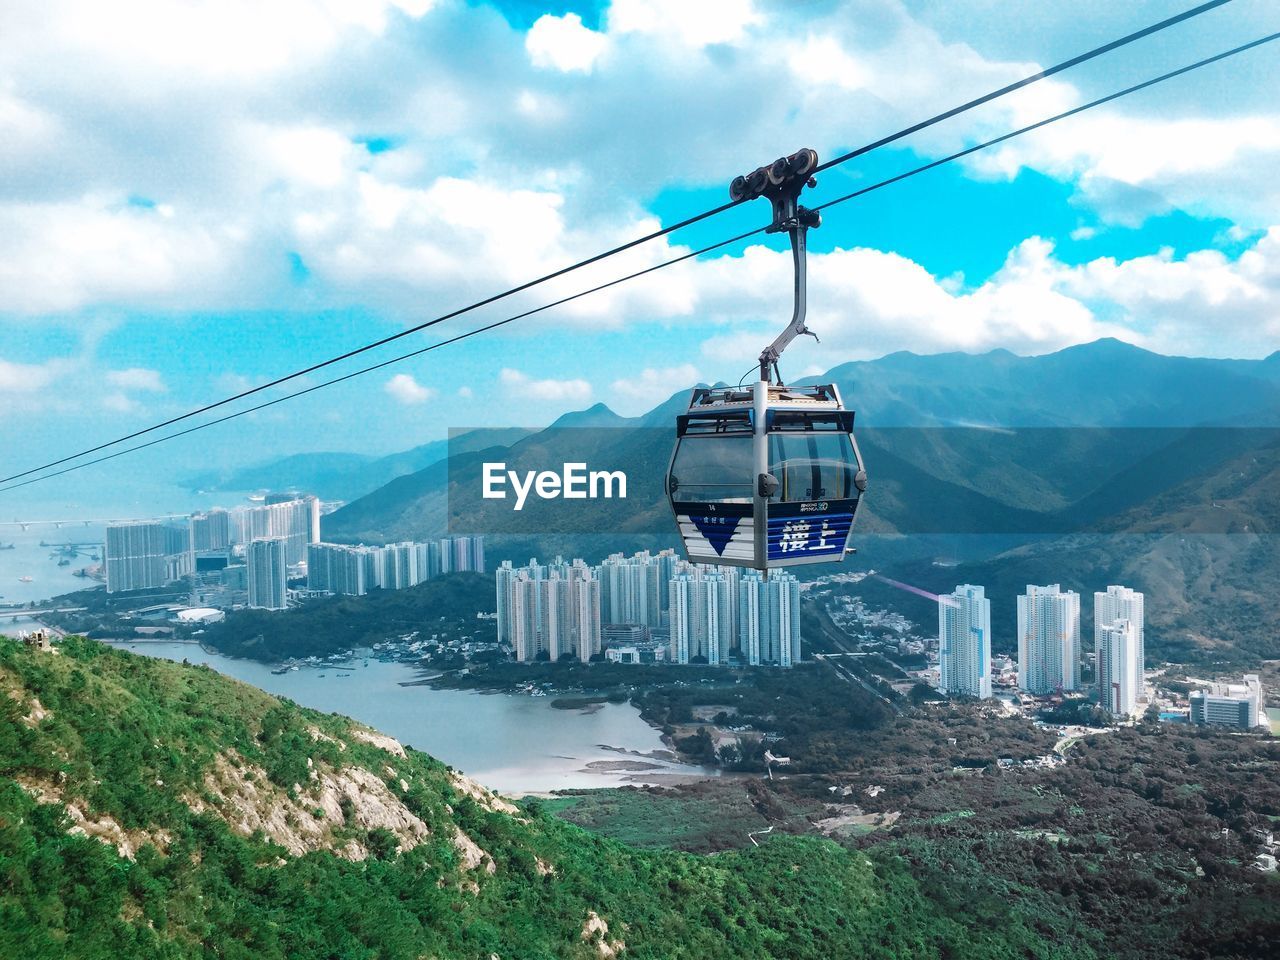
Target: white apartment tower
{"points": [[1119, 668], [546, 612], [296, 521], [1120, 603], [267, 561], [1048, 640], [964, 642], [750, 595], [696, 624], [135, 555]]}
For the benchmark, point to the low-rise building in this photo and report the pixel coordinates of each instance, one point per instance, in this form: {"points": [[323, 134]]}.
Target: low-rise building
{"points": [[649, 652], [1237, 705]]}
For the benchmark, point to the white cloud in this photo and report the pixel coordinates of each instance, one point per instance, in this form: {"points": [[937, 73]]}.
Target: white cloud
{"points": [[136, 378], [231, 382], [28, 378], [866, 303], [230, 41], [695, 24], [241, 124], [522, 386], [650, 387], [407, 390], [93, 251], [37, 387], [465, 393], [1206, 165], [118, 402], [563, 43]]}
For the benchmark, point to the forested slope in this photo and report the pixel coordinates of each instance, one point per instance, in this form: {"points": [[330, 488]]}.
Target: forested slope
{"points": [[152, 809]]}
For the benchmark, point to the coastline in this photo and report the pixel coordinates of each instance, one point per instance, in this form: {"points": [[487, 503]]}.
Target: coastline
{"points": [[510, 743]]}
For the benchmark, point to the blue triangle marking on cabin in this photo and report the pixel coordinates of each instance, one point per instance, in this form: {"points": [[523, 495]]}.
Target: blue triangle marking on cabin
{"points": [[717, 530]]}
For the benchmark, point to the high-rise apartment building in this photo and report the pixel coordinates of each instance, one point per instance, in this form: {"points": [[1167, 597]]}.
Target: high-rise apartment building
{"points": [[267, 563], [964, 642], [296, 520], [767, 624], [699, 605], [1120, 603], [455, 555], [752, 613], [1048, 640], [355, 570], [545, 612], [135, 555], [624, 589], [342, 569], [1119, 668], [210, 531], [396, 566]]}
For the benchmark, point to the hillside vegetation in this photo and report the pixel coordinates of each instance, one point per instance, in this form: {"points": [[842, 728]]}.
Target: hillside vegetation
{"points": [[155, 809]]}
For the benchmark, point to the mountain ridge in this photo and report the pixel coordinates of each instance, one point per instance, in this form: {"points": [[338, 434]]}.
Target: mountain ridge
{"points": [[1083, 459]]}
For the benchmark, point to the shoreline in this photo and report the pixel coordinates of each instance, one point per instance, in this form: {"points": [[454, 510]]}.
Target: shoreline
{"points": [[568, 756]]}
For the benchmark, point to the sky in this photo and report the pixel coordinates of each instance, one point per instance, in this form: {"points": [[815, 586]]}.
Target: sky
{"points": [[198, 196]]}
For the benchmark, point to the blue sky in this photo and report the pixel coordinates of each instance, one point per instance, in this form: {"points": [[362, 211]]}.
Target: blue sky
{"points": [[196, 197]]}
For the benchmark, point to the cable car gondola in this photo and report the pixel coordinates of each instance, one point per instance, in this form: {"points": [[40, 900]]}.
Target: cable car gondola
{"points": [[769, 475]]}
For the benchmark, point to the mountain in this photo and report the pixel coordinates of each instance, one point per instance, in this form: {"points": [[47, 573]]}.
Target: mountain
{"points": [[344, 476], [157, 809], [1106, 383], [977, 458]]}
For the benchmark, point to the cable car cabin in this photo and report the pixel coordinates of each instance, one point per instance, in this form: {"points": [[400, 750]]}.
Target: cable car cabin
{"points": [[765, 476]]}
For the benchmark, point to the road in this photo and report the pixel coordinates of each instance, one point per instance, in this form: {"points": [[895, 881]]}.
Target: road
{"points": [[835, 637], [24, 612]]}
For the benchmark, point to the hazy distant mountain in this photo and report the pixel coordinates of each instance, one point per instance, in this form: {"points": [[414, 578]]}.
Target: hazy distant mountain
{"points": [[1117, 440], [989, 479], [1104, 383], [342, 476]]}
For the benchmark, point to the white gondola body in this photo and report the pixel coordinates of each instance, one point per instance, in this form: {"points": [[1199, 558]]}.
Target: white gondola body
{"points": [[801, 439]]}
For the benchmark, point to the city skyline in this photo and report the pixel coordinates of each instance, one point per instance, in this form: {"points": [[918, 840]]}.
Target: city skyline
{"points": [[697, 613]]}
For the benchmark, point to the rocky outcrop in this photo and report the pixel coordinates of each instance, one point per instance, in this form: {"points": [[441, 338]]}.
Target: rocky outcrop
{"points": [[304, 820], [596, 930], [486, 798], [379, 740]]}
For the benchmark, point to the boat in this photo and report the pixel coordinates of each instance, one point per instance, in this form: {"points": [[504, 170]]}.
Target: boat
{"points": [[344, 674], [64, 562], [24, 579], [279, 670]]}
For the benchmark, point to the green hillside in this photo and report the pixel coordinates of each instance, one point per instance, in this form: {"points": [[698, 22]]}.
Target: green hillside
{"points": [[153, 809]]}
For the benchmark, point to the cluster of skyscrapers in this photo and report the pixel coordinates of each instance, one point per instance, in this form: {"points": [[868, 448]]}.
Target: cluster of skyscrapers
{"points": [[1049, 650], [355, 570], [246, 556], [233, 556], [648, 607]]}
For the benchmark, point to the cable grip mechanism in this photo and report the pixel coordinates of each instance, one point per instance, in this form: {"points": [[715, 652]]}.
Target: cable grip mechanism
{"points": [[782, 181]]}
